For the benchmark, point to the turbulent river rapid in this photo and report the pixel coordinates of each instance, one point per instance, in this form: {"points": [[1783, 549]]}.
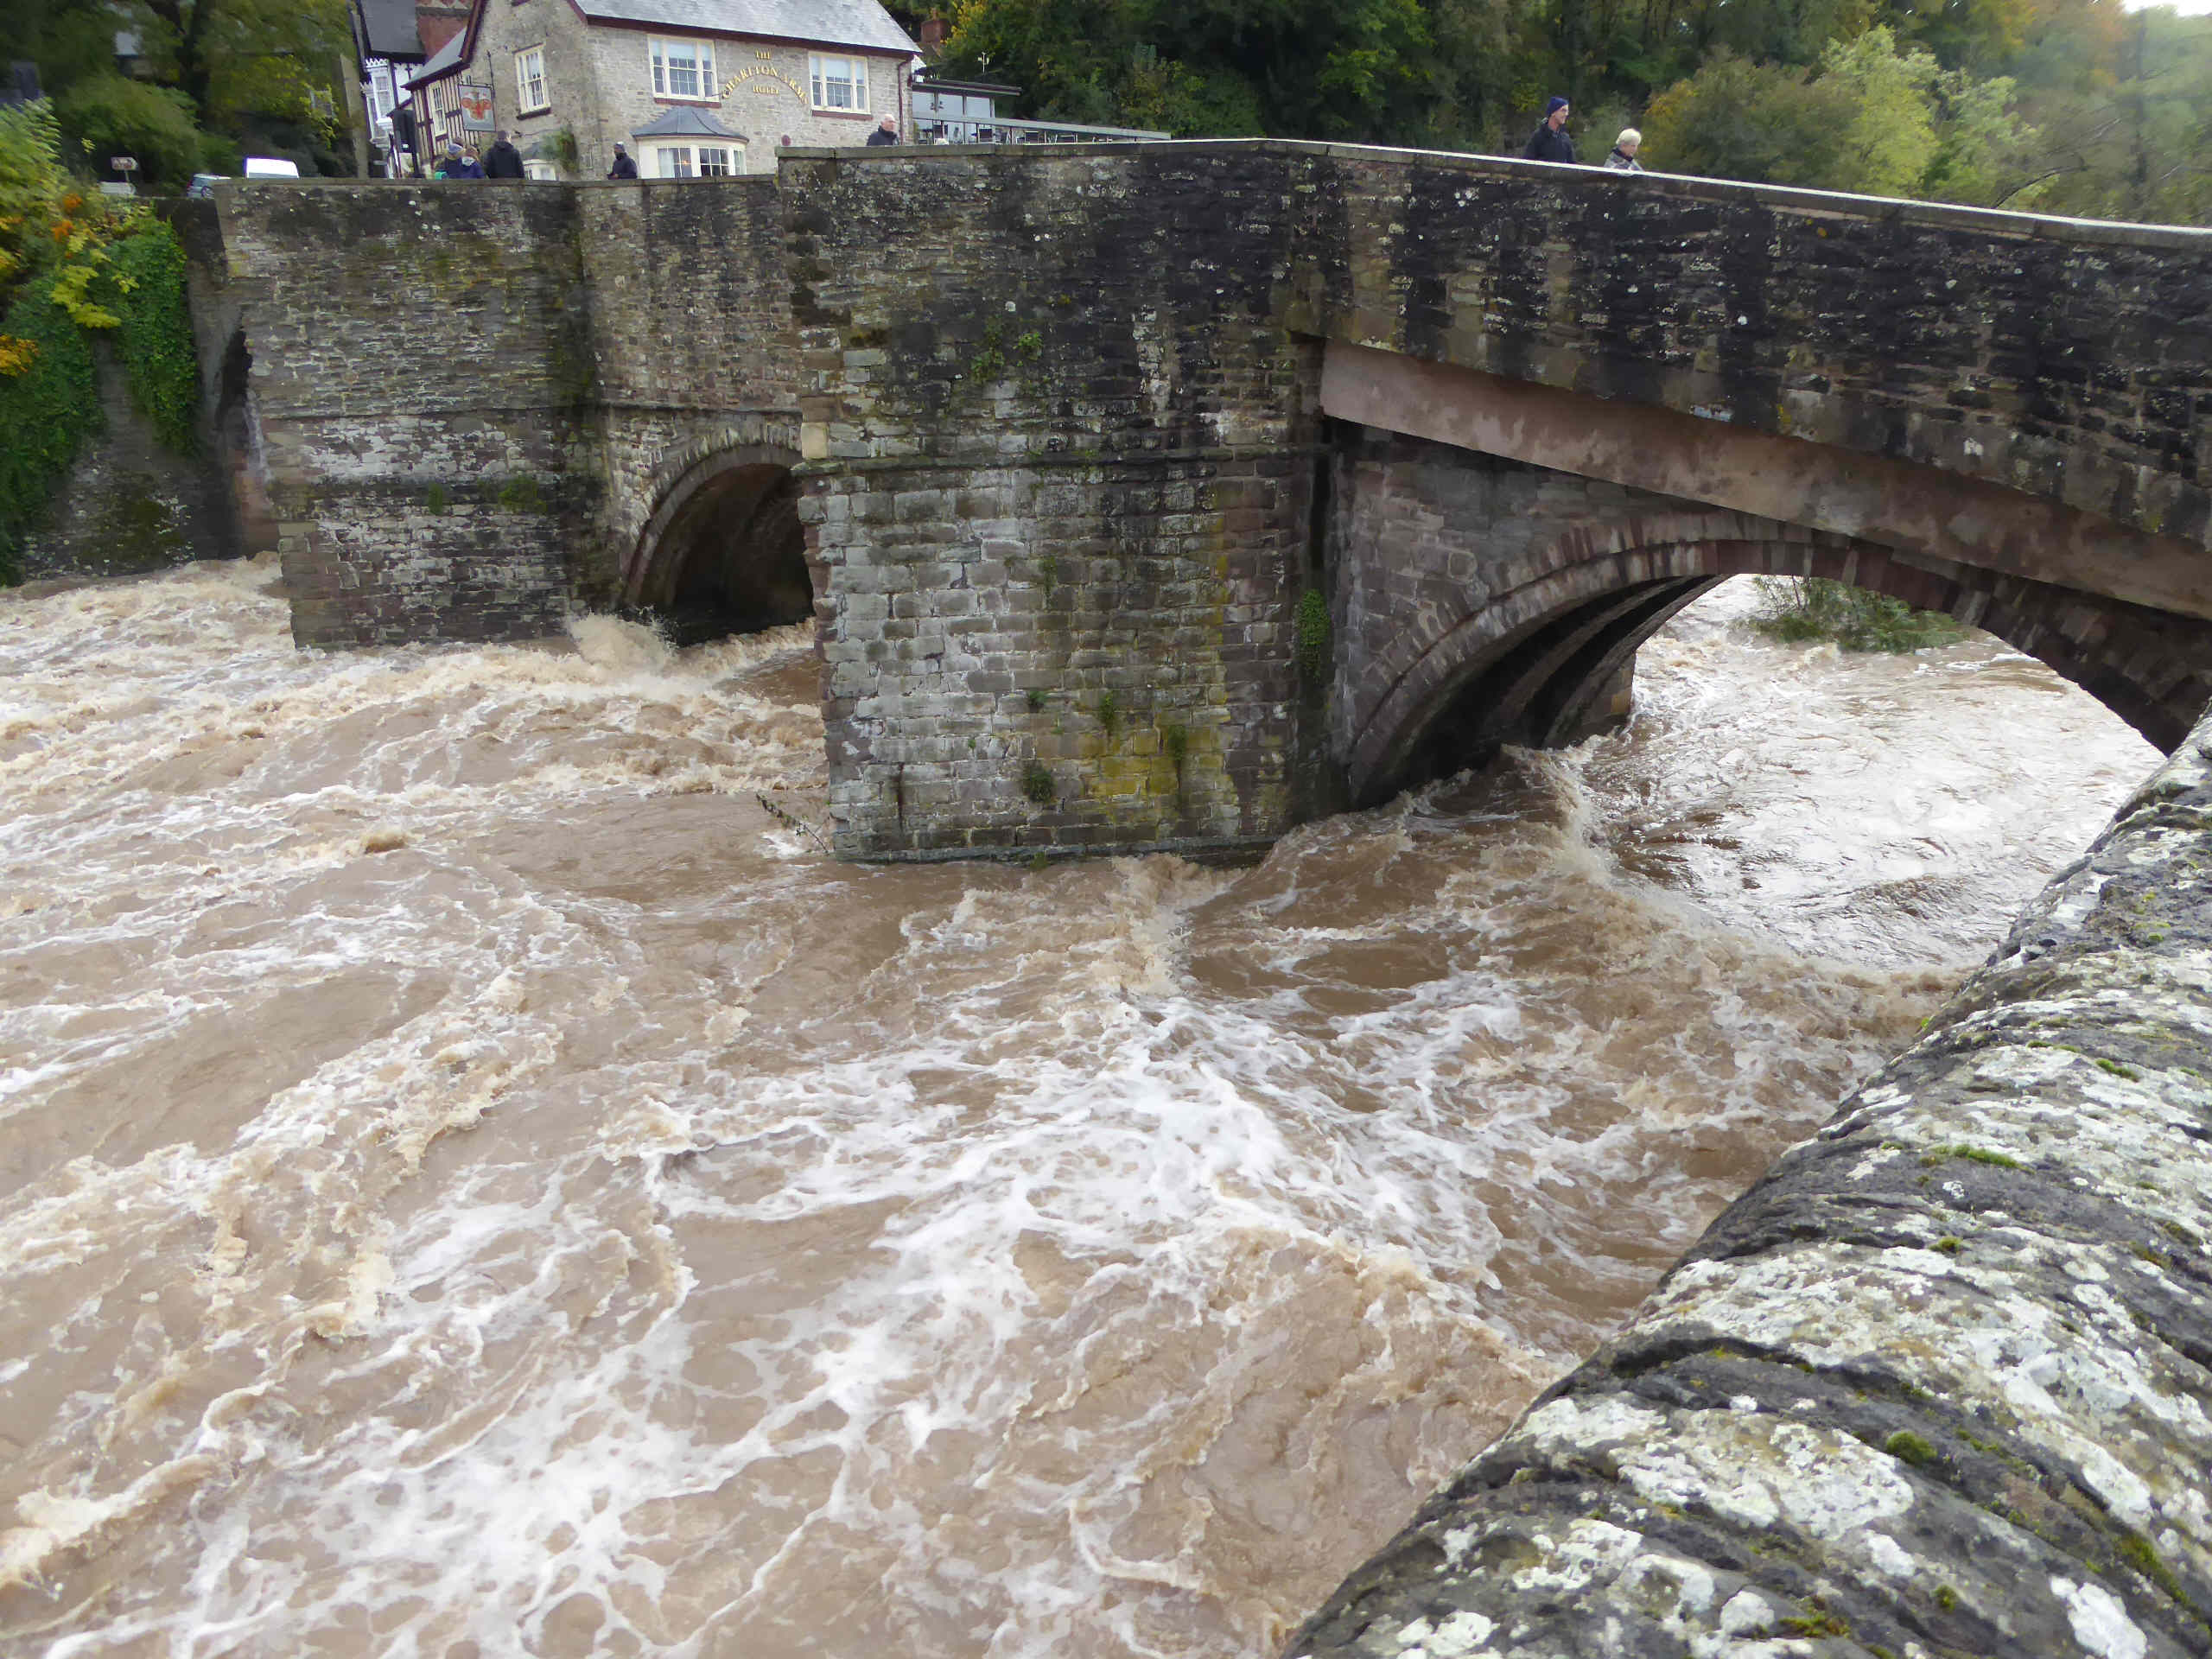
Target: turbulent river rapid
{"points": [[473, 1183]]}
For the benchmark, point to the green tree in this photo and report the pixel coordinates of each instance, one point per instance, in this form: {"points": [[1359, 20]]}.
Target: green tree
{"points": [[1891, 136], [1313, 68], [234, 56], [1761, 122], [110, 115]]}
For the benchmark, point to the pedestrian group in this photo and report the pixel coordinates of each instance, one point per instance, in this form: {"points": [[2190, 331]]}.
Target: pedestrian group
{"points": [[1551, 142]]}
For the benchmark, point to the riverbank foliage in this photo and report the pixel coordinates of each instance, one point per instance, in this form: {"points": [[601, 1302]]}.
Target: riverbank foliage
{"points": [[2074, 107], [1800, 609], [76, 268]]}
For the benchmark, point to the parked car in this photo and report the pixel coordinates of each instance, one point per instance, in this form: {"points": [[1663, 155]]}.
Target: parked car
{"points": [[271, 167], [203, 185]]}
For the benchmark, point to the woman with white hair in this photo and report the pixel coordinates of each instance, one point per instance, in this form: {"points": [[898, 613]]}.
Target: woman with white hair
{"points": [[1623, 160]]}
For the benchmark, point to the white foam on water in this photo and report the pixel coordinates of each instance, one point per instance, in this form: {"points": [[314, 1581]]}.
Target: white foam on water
{"points": [[474, 1182]]}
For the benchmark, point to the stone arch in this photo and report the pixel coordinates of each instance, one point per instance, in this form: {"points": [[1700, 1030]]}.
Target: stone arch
{"points": [[721, 549], [1531, 663]]}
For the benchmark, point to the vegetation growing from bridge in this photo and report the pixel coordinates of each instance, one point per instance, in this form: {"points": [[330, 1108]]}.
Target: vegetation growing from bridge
{"points": [[1806, 608], [74, 269], [2061, 105]]}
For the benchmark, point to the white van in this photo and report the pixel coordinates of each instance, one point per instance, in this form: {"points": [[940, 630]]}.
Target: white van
{"points": [[271, 167]]}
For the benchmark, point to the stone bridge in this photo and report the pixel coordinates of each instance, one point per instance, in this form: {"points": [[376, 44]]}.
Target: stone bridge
{"points": [[1166, 496]]}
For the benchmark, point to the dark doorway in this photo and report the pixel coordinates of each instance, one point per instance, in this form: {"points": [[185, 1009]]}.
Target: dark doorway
{"points": [[732, 559]]}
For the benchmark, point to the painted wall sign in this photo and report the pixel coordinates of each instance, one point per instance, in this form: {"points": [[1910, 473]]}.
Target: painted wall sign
{"points": [[764, 71]]}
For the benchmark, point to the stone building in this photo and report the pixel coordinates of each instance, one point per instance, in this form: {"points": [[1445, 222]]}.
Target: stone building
{"points": [[694, 88]]}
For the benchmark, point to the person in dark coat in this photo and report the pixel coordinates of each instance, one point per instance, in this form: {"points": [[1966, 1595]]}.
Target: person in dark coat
{"points": [[624, 168], [1549, 142], [503, 160], [886, 131]]}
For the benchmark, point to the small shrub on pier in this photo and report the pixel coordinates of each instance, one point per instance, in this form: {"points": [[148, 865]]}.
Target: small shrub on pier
{"points": [[1804, 609]]}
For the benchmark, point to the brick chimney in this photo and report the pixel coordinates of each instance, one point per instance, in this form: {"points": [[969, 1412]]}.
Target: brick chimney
{"points": [[933, 29], [437, 22]]}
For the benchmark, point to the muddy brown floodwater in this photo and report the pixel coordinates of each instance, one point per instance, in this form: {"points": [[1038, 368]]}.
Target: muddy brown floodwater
{"points": [[472, 1183]]}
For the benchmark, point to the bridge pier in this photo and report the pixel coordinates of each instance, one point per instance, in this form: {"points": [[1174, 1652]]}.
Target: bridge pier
{"points": [[1939, 1383]]}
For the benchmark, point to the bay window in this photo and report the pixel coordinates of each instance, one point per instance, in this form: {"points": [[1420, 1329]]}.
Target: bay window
{"points": [[697, 160]]}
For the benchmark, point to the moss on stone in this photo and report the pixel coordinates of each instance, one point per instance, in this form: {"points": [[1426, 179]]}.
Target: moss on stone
{"points": [[522, 494], [1908, 1447], [1936, 1156], [1313, 637]]}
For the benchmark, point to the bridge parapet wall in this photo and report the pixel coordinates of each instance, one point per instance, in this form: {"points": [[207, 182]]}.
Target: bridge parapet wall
{"points": [[1062, 455], [2066, 359]]}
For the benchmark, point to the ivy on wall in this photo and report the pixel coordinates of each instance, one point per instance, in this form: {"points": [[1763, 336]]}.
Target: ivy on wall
{"points": [[154, 338], [74, 267], [49, 410]]}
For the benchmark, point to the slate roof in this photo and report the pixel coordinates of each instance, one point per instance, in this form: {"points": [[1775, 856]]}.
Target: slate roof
{"points": [[386, 29], [826, 22], [685, 122], [441, 60]]}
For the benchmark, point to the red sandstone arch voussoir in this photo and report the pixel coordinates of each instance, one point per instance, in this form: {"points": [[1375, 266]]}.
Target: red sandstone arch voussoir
{"points": [[2145, 666]]}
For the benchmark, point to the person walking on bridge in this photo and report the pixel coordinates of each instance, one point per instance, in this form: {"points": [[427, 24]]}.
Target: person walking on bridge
{"points": [[457, 164], [1549, 142], [1623, 160], [503, 160], [624, 168]]}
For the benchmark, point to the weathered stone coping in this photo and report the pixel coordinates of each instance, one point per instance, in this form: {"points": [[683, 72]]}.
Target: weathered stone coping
{"points": [[1941, 1383], [1987, 221], [1993, 221]]}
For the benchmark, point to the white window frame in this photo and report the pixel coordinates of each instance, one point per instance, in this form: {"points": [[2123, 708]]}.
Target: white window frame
{"points": [[818, 82], [537, 169], [658, 54], [698, 161], [530, 66]]}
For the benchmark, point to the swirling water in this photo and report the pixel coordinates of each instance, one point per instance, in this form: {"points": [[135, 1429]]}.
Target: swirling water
{"points": [[472, 1183]]}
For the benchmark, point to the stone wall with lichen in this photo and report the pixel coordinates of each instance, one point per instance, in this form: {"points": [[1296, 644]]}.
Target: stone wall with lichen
{"points": [[465, 400], [420, 362], [1941, 1383], [1061, 456]]}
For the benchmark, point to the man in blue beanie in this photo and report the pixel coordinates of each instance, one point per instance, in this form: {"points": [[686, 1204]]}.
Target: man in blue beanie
{"points": [[1549, 142]]}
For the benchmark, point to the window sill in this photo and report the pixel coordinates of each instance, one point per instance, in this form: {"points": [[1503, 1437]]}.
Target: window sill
{"points": [[710, 103], [844, 115], [535, 109]]}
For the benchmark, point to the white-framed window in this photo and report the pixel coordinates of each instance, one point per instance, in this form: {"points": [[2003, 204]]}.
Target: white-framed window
{"points": [[699, 160], [683, 68], [540, 170], [838, 83], [530, 81]]}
